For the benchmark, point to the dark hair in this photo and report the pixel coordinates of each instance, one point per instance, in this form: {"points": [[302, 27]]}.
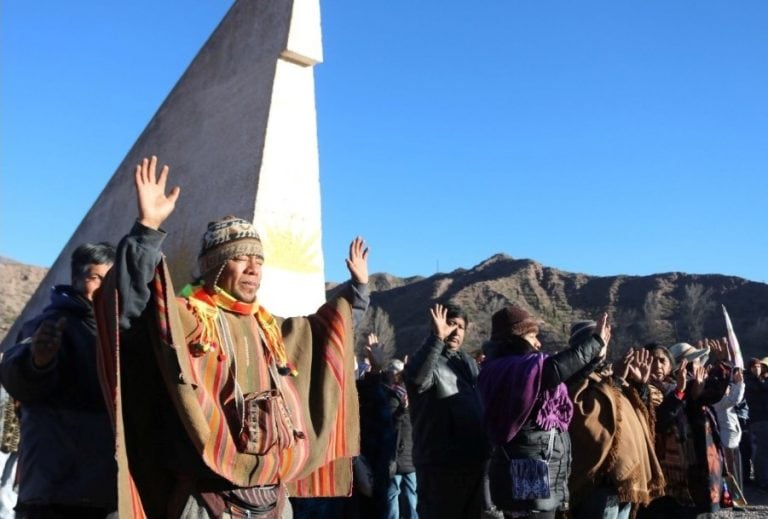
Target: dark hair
{"points": [[101, 253], [655, 346], [455, 311]]}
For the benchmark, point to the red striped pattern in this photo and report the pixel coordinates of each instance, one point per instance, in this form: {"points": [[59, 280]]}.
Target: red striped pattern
{"points": [[162, 308], [332, 322], [323, 481], [108, 368], [106, 353], [294, 459], [216, 394]]}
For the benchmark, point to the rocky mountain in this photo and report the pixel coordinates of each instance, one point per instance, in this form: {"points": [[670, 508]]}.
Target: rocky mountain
{"points": [[19, 283], [665, 308]]}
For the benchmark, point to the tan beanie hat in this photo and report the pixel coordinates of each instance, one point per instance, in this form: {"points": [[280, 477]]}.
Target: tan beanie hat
{"points": [[225, 239]]}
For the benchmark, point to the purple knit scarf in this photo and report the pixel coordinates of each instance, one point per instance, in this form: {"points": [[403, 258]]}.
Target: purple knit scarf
{"points": [[510, 388], [556, 409]]}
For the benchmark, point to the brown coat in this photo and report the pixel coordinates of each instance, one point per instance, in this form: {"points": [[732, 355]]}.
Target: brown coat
{"points": [[612, 434], [145, 387]]}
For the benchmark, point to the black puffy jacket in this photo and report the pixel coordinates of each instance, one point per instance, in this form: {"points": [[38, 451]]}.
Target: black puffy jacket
{"points": [[66, 454], [756, 393], [403, 430]]}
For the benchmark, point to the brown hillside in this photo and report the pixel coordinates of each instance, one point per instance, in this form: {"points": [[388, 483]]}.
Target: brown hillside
{"points": [[665, 308], [19, 283]]}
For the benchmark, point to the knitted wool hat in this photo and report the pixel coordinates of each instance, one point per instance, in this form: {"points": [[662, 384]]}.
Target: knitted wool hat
{"points": [[581, 331], [512, 321], [225, 239]]}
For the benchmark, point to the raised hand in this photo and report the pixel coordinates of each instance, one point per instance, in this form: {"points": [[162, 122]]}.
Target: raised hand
{"points": [[626, 362], [375, 353], [46, 342], [642, 362], [697, 383], [728, 349], [719, 348], [357, 262], [603, 330], [682, 377], [154, 205], [440, 325], [715, 348]]}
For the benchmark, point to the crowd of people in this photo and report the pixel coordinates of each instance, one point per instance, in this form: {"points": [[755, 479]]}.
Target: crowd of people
{"points": [[138, 402], [515, 432]]}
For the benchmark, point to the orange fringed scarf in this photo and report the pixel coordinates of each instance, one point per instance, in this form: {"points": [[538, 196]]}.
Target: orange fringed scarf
{"points": [[206, 307]]}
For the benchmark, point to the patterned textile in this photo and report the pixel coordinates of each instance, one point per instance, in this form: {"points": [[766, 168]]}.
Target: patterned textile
{"points": [[689, 451], [556, 409], [707, 480], [10, 439], [674, 452], [206, 307], [225, 239], [202, 388], [530, 478]]}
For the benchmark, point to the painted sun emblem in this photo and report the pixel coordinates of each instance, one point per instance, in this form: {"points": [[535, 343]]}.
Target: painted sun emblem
{"points": [[288, 250]]}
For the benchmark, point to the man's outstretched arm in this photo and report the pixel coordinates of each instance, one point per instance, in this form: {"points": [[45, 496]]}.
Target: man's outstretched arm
{"points": [[139, 253], [357, 264], [421, 370], [154, 205]]}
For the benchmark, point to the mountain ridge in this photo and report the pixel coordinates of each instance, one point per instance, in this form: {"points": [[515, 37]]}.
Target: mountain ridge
{"points": [[668, 307]]}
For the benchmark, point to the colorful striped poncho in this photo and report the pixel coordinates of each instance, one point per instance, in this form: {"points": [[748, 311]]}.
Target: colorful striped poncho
{"points": [[177, 383]]}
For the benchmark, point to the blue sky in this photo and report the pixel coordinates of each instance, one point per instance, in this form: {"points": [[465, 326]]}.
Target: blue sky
{"points": [[598, 137]]}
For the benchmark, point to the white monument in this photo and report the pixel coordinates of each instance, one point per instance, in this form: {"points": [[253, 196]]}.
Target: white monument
{"points": [[239, 132]]}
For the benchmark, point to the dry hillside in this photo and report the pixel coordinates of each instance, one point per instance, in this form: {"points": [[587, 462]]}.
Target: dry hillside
{"points": [[19, 282], [665, 308]]}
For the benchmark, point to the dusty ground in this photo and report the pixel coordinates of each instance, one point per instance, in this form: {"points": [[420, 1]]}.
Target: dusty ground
{"points": [[757, 507]]}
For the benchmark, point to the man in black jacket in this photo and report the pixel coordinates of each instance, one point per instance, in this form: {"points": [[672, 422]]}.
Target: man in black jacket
{"points": [[450, 448], [67, 461], [757, 398]]}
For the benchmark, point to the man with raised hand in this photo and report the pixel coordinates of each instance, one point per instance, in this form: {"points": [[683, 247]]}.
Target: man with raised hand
{"points": [[66, 454], [450, 448], [219, 404]]}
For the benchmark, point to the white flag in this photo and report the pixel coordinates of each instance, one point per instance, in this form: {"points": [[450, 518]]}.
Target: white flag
{"points": [[738, 359]]}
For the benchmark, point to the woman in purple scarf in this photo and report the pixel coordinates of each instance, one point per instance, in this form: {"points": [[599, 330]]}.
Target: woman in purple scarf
{"points": [[527, 409]]}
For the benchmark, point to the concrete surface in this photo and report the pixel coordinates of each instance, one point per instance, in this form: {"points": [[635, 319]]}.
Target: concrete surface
{"points": [[238, 127]]}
